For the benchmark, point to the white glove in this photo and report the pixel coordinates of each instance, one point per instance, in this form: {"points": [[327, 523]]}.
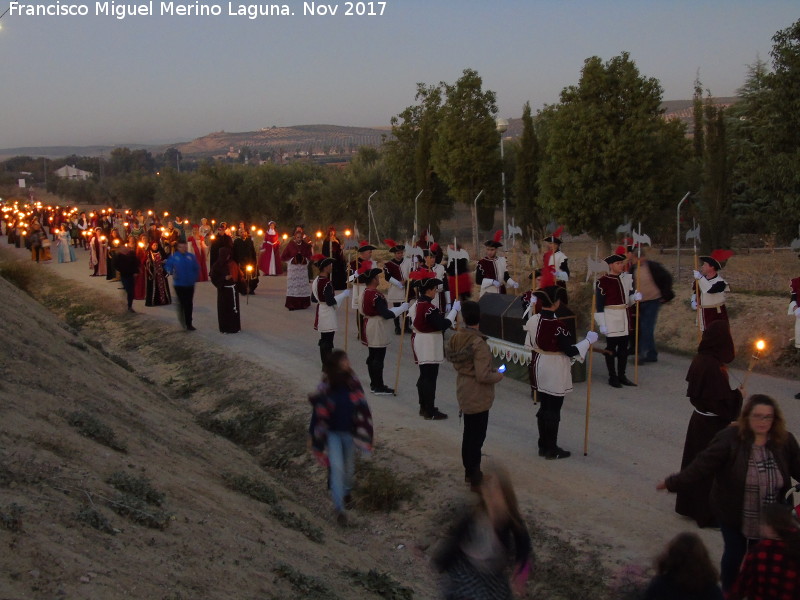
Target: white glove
{"points": [[583, 348], [399, 310], [451, 316], [342, 296], [495, 283], [603, 329], [591, 336], [697, 274], [512, 283], [694, 304], [352, 277], [534, 299], [457, 306], [797, 312], [448, 307], [395, 283], [562, 276], [637, 296]]}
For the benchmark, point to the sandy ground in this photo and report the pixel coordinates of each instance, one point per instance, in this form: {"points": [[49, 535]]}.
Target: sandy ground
{"points": [[603, 502]]}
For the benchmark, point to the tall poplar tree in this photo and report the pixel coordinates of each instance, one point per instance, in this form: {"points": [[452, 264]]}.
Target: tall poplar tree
{"points": [[466, 151], [527, 211], [408, 159], [610, 153]]}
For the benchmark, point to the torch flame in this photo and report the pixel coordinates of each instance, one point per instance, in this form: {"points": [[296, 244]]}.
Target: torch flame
{"points": [[760, 345]]}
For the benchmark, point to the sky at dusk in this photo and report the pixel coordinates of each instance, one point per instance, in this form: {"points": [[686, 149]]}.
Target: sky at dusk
{"points": [[95, 79]]}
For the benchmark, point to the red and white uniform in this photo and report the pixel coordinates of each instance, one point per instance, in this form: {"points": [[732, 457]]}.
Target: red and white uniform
{"points": [[399, 272], [794, 299], [712, 300], [613, 297], [442, 297], [376, 327], [325, 317], [358, 288], [427, 341], [550, 369], [488, 271]]}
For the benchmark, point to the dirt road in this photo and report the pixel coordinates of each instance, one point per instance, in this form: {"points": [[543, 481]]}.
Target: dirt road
{"points": [[606, 500]]}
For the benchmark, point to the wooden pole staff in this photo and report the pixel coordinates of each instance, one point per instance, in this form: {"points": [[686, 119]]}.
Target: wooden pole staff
{"points": [[636, 333], [402, 336], [589, 370], [514, 261], [455, 270], [348, 273], [697, 292], [530, 314]]}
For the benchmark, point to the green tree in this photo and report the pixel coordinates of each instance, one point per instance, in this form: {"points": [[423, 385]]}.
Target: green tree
{"points": [[609, 153], [768, 170], [526, 180], [408, 161], [715, 193], [753, 206], [466, 151]]}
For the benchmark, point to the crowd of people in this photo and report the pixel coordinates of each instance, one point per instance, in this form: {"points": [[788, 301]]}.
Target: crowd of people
{"points": [[739, 458]]}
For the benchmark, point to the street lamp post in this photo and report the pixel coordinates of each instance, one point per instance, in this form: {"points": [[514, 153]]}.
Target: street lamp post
{"points": [[678, 230], [502, 127]]}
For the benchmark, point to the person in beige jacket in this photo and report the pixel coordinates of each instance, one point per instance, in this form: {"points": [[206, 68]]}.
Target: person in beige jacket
{"points": [[470, 355]]}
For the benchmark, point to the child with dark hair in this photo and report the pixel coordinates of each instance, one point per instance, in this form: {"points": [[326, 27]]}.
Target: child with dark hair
{"points": [[772, 568], [340, 422], [475, 557], [684, 571], [470, 355]]}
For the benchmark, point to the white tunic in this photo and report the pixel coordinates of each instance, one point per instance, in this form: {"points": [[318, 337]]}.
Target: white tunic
{"points": [[428, 347], [553, 369], [326, 315]]}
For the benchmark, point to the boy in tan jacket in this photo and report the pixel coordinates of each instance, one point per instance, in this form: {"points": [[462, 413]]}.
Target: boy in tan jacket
{"points": [[470, 355]]}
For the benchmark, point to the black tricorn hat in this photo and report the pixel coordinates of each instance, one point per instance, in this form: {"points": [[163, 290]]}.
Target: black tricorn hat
{"points": [[368, 274], [322, 261], [495, 241], [550, 295], [428, 284]]}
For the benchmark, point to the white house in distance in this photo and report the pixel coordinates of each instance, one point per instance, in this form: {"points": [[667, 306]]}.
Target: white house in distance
{"points": [[72, 172]]}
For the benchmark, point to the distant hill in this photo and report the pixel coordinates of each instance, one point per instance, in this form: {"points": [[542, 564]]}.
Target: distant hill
{"points": [[310, 140], [61, 151], [329, 141]]}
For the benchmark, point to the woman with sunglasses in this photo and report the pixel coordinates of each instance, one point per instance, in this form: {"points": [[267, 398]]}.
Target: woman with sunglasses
{"points": [[751, 463]]}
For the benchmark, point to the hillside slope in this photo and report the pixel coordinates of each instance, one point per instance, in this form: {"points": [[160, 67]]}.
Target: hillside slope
{"points": [[204, 540]]}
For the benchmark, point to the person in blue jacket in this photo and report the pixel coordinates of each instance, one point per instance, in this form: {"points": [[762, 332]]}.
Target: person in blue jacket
{"points": [[185, 271]]}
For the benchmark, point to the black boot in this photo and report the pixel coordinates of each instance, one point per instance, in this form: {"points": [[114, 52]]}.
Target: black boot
{"points": [[554, 452], [623, 364], [613, 380], [542, 437]]}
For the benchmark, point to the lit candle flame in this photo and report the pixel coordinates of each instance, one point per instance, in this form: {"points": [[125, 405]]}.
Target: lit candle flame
{"points": [[319, 234], [286, 236], [760, 345], [347, 232], [260, 232], [253, 228]]}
